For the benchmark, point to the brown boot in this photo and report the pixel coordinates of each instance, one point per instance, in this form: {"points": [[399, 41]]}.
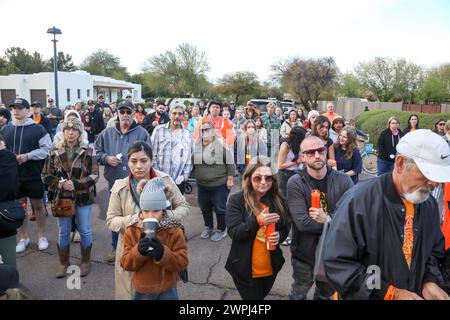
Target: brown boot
{"points": [[64, 256], [85, 265]]}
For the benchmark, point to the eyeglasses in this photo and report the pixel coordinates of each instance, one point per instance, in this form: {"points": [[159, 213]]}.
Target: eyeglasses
{"points": [[258, 179], [129, 112], [395, 123], [441, 124], [312, 152], [177, 113]]}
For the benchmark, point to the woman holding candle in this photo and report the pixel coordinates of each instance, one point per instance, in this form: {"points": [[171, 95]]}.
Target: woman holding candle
{"points": [[250, 213]]}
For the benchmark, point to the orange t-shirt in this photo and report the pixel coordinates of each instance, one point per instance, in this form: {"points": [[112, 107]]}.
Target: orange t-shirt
{"points": [[37, 119], [223, 126], [261, 262]]}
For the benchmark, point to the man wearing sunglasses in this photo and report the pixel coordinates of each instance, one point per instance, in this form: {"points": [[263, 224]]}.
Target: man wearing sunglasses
{"points": [[308, 222], [385, 241], [112, 148]]}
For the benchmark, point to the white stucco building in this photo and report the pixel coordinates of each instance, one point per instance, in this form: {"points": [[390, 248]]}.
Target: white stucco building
{"points": [[72, 87]]}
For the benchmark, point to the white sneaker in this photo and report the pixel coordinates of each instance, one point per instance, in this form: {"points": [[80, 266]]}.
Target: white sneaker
{"points": [[43, 243], [206, 233], [22, 245]]}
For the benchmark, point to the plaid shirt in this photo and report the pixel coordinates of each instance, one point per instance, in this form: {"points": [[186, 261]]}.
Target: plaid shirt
{"points": [[271, 123], [82, 170], [173, 153]]}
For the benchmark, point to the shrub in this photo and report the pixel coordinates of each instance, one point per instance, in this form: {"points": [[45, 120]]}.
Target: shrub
{"points": [[373, 122]]}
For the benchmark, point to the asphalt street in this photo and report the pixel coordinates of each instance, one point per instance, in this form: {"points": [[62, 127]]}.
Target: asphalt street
{"points": [[208, 279]]}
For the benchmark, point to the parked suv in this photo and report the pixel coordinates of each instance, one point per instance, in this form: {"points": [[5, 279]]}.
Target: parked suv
{"points": [[261, 104], [287, 106]]}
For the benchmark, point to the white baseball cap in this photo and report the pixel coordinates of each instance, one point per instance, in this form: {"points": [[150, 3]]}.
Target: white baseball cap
{"points": [[430, 152]]}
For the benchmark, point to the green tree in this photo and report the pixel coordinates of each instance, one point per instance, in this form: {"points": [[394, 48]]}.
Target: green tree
{"points": [[19, 60], [269, 89], [349, 86], [388, 79], [238, 84], [306, 79], [435, 88], [102, 63], [182, 72], [65, 63], [4, 66]]}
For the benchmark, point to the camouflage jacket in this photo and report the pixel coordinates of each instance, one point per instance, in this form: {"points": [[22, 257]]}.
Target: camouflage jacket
{"points": [[82, 170]]}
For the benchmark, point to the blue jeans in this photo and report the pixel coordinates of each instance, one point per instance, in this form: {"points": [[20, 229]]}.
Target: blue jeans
{"points": [[83, 218], [171, 294], [114, 239], [213, 198], [384, 166]]}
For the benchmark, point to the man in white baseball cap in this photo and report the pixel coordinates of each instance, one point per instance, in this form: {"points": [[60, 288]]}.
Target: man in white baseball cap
{"points": [[430, 153], [393, 223]]}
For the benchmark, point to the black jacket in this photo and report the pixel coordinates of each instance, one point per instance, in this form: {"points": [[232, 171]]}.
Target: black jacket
{"points": [[147, 124], [305, 231], [8, 181], [45, 123], [98, 124], [368, 230], [387, 143], [31, 139], [242, 228]]}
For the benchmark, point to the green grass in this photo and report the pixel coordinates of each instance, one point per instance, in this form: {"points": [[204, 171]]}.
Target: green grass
{"points": [[373, 122]]}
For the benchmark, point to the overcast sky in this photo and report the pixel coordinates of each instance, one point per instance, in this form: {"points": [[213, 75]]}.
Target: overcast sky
{"points": [[237, 35]]}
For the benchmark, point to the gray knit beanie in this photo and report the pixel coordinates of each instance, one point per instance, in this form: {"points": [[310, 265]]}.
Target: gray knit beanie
{"points": [[153, 196]]}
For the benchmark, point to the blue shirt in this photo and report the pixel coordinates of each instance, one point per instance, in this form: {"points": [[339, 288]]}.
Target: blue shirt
{"points": [[345, 165]]}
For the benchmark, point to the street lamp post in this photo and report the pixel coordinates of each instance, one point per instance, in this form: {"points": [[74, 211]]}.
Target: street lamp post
{"points": [[54, 31]]}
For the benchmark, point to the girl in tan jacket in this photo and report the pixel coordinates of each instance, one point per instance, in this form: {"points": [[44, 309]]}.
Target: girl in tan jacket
{"points": [[155, 260], [123, 210]]}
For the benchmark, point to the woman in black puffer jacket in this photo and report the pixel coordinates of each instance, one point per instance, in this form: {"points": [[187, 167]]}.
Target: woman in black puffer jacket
{"points": [[387, 143], [8, 188]]}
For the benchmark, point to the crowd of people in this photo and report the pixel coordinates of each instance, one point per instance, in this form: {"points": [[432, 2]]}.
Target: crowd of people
{"points": [[298, 186]]}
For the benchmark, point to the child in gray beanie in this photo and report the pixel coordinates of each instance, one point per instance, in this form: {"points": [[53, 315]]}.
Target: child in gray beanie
{"points": [[155, 262]]}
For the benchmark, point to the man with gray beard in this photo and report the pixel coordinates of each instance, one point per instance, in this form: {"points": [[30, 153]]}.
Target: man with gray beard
{"points": [[385, 241]]}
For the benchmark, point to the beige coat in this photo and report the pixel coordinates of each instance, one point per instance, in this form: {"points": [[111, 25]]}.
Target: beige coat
{"points": [[120, 214]]}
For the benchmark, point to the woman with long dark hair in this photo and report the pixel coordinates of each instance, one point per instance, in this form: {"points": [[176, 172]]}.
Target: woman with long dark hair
{"points": [[140, 113], [289, 160], [413, 123], [348, 158], [123, 209], [439, 127], [289, 123], [257, 221], [262, 132], [321, 129]]}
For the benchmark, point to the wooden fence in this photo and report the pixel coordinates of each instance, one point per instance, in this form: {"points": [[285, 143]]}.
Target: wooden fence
{"points": [[425, 108]]}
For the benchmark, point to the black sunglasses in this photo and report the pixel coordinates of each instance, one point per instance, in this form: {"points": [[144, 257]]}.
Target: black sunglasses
{"points": [[125, 111], [312, 152], [258, 179]]}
